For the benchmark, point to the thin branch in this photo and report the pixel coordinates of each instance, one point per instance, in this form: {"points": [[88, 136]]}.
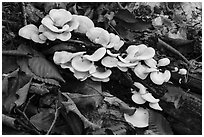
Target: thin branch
{"points": [[24, 14], [54, 121], [173, 50]]}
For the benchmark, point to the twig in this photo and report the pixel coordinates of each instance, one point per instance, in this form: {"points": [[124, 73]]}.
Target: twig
{"points": [[15, 53], [120, 6], [54, 121], [24, 14], [28, 103], [9, 121], [173, 50]]}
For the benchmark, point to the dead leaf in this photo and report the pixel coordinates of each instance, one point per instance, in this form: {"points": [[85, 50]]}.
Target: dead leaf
{"points": [[126, 15], [22, 93]]}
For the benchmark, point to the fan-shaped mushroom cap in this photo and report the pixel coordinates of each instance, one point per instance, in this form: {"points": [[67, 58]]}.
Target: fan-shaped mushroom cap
{"points": [[115, 42], [130, 65], [99, 36], [142, 89], [148, 97], [81, 75], [60, 16], [73, 24], [97, 55], [85, 24], [109, 61], [163, 62], [141, 71], [61, 57], [67, 65], [167, 75], [102, 80], [151, 63], [101, 73], [182, 71], [136, 97], [155, 106], [140, 52], [123, 69], [139, 119], [157, 78], [123, 60], [27, 31], [80, 64], [112, 54]]}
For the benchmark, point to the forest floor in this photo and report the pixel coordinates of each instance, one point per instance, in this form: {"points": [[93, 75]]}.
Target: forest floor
{"points": [[58, 103]]}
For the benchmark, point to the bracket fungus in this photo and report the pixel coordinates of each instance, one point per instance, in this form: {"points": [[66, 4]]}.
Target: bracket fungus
{"points": [[98, 35], [182, 71], [31, 32], [85, 24], [139, 119], [109, 62], [155, 106], [97, 55]]}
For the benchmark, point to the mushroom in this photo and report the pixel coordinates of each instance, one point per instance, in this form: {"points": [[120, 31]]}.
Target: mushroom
{"points": [[139, 119], [101, 73], [109, 61], [31, 32], [151, 63], [130, 65], [67, 65], [61, 57], [85, 24], [148, 97], [182, 71], [140, 52], [163, 62], [112, 54], [98, 35], [81, 64], [155, 106], [115, 42], [157, 77], [97, 55], [167, 75], [141, 71], [81, 75], [102, 80], [142, 89], [123, 69], [136, 97]]}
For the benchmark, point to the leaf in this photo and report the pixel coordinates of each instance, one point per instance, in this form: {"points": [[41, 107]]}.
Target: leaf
{"points": [[173, 95], [158, 124], [22, 93], [126, 15], [43, 119], [8, 64]]}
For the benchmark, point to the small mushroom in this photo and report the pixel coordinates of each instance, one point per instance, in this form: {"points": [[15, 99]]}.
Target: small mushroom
{"points": [[136, 97], [81, 75], [97, 55], [98, 35], [102, 80], [141, 71], [80, 64], [123, 69], [67, 65], [139, 119], [157, 77], [115, 42], [182, 71], [109, 62], [163, 62], [148, 97], [151, 63], [123, 60], [167, 75], [101, 73], [142, 89], [61, 57], [85, 24], [155, 106], [112, 54]]}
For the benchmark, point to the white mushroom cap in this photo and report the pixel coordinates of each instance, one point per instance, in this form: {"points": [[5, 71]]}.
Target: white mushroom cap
{"points": [[61, 57], [155, 106], [151, 63], [67, 65], [136, 97], [81, 75], [27, 31], [98, 35], [167, 75], [97, 55], [111, 54], [123, 60], [102, 80], [142, 89], [80, 64], [141, 71], [101, 74], [109, 61], [139, 119], [148, 97], [123, 69], [163, 62], [157, 77], [85, 24], [130, 65], [182, 71]]}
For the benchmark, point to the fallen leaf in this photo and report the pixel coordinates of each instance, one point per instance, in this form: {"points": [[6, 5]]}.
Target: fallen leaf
{"points": [[126, 15], [22, 93]]}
